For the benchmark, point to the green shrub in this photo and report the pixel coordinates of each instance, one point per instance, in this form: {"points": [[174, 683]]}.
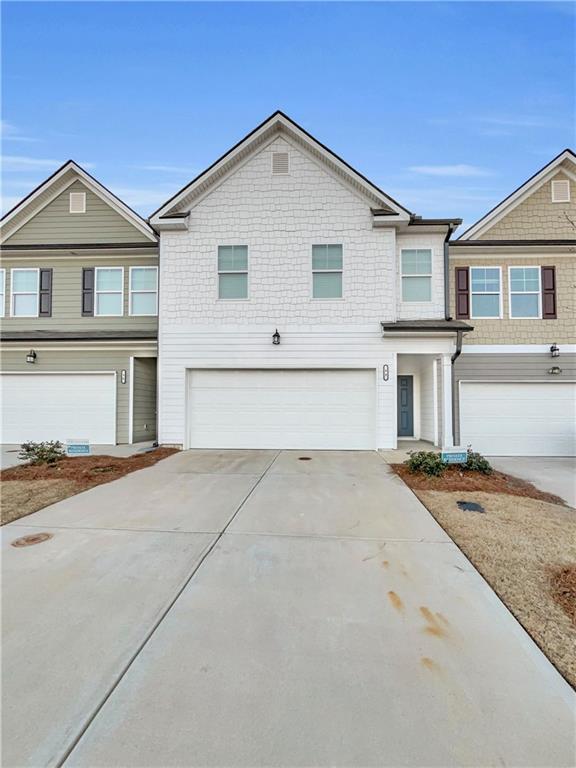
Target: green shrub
{"points": [[48, 452], [428, 462], [477, 463]]}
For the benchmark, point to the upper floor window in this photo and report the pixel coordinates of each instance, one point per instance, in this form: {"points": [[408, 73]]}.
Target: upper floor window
{"points": [[561, 191], [25, 284], [327, 271], [2, 291], [109, 291], [233, 271], [416, 274], [77, 202], [524, 292], [143, 290], [485, 292]]}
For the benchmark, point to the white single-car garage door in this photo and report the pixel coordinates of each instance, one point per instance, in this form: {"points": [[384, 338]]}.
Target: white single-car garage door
{"points": [[58, 406], [519, 419], [330, 409]]}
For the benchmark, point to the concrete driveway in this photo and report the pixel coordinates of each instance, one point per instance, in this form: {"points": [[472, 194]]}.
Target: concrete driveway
{"points": [[235, 608], [553, 474]]}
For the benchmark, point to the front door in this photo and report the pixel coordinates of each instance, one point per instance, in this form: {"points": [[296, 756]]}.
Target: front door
{"points": [[405, 406]]}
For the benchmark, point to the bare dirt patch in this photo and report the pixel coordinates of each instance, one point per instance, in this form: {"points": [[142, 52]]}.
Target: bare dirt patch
{"points": [[526, 549], [25, 489], [454, 479]]}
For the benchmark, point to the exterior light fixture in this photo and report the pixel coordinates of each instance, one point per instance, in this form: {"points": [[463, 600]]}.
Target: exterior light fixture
{"points": [[31, 356], [276, 337], [555, 370], [555, 350]]}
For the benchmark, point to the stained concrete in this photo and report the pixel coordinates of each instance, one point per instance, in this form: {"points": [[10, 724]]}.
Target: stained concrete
{"points": [[552, 474], [218, 462]]}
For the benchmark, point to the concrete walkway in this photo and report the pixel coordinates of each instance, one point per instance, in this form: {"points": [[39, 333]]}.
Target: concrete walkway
{"points": [[552, 474], [234, 608], [9, 451]]}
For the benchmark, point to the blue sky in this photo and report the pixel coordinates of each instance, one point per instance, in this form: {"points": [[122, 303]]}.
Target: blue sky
{"points": [[446, 106]]}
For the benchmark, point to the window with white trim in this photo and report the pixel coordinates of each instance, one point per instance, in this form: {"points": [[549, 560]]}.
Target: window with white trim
{"points": [[143, 290], [233, 271], [561, 191], [109, 291], [485, 292], [416, 266], [2, 292], [525, 296], [77, 202], [327, 263], [24, 284]]}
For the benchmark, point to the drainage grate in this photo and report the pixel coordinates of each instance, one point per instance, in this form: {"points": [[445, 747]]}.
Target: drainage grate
{"points": [[31, 539], [470, 506], [304, 458]]}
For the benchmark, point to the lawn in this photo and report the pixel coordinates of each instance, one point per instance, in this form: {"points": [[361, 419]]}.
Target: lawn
{"points": [[27, 488], [523, 543]]}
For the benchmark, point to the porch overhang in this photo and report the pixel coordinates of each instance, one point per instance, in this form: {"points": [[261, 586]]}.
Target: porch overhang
{"points": [[425, 327]]}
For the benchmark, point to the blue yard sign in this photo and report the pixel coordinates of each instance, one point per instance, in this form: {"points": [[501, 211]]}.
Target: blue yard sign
{"points": [[454, 455], [78, 447]]}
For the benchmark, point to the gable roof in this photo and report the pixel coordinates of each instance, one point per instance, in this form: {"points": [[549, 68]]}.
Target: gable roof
{"points": [[57, 183], [520, 194], [277, 122]]}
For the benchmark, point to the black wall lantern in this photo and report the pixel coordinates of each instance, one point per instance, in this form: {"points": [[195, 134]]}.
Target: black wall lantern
{"points": [[554, 350], [276, 337], [31, 356]]}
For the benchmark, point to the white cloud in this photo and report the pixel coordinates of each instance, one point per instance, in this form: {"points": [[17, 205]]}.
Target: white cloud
{"points": [[144, 199], [18, 163], [168, 169], [460, 169], [7, 202], [10, 132]]}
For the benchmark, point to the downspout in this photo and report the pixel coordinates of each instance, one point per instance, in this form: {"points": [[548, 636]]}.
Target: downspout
{"points": [[447, 315], [455, 356]]}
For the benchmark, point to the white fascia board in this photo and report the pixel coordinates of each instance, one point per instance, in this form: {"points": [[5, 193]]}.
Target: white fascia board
{"points": [[518, 349]]}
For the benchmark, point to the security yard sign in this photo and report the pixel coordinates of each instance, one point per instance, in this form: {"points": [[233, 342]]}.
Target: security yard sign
{"points": [[78, 447], [454, 455]]}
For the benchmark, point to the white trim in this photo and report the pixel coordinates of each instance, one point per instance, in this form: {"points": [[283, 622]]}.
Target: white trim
{"points": [[565, 184], [525, 293], [447, 423], [131, 401], [24, 293], [326, 271], [81, 197], [500, 296], [131, 291], [39, 345], [233, 272], [525, 349], [402, 276], [96, 292], [510, 202], [3, 293], [435, 401]]}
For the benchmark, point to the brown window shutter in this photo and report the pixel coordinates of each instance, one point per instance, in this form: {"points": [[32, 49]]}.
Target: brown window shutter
{"points": [[548, 293], [462, 283], [45, 309], [88, 292]]}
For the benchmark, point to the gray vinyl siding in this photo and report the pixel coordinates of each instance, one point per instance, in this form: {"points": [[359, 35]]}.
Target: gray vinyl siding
{"points": [[89, 360], [144, 403], [510, 367], [55, 224], [67, 295]]}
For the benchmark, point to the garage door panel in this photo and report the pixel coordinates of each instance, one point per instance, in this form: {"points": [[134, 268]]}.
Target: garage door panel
{"points": [[520, 418], [281, 409], [58, 407]]}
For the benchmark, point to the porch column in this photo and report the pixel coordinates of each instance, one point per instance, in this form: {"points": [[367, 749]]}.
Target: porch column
{"points": [[447, 436]]}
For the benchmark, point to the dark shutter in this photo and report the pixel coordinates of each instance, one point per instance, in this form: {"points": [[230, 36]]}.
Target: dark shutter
{"points": [[548, 293], [45, 309], [462, 283], [88, 292]]}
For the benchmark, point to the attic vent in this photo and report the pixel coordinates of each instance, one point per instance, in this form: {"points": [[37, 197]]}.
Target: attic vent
{"points": [[77, 202], [280, 163], [561, 191]]}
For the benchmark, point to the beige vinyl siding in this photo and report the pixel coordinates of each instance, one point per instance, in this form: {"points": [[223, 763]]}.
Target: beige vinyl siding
{"points": [[88, 360], [55, 224], [67, 295], [511, 367], [144, 403], [507, 330]]}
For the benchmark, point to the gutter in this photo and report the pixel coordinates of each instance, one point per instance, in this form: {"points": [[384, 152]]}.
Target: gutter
{"points": [[455, 356]]}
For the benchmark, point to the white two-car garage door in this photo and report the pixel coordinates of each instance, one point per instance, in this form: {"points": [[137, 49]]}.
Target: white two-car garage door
{"points": [[519, 419], [58, 406], [330, 409]]}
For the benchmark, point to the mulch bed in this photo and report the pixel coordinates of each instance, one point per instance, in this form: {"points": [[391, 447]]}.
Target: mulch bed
{"points": [[454, 479], [563, 581]]}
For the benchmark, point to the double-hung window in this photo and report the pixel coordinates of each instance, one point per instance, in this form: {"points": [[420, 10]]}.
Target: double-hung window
{"points": [[524, 292], [2, 291], [416, 274], [143, 290], [109, 291], [485, 293], [25, 284], [232, 271], [327, 271]]}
